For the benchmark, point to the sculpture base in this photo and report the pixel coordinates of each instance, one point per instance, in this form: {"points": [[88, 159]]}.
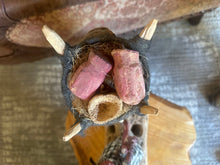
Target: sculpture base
{"points": [[170, 136]]}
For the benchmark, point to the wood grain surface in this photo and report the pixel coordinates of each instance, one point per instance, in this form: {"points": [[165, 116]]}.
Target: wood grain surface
{"points": [[185, 69], [11, 12], [72, 20], [171, 133]]}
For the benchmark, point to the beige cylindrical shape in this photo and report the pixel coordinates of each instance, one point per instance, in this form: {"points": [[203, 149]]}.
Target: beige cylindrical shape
{"points": [[104, 108]]}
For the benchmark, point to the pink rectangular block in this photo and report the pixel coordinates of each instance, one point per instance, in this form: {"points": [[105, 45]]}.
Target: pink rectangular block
{"points": [[89, 76], [128, 76]]}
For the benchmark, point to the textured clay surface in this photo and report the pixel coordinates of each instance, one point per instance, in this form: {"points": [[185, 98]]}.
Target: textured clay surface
{"points": [[128, 76], [89, 76]]}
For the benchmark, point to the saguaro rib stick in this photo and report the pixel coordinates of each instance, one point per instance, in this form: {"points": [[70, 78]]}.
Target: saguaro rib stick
{"points": [[149, 110], [148, 31], [71, 132], [54, 39]]}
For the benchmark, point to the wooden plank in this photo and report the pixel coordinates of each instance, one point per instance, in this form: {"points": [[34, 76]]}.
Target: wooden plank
{"points": [[74, 21], [171, 133], [14, 54], [12, 10], [71, 23]]}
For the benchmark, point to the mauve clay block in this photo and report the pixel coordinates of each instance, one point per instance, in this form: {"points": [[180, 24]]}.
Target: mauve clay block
{"points": [[89, 76], [128, 76]]}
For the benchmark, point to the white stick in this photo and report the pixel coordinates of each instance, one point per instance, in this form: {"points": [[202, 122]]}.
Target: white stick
{"points": [[54, 39], [72, 132], [149, 110], [148, 31]]}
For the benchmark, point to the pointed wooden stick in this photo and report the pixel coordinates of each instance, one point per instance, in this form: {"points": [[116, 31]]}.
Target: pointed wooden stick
{"points": [[54, 39], [149, 110], [71, 132], [148, 31]]}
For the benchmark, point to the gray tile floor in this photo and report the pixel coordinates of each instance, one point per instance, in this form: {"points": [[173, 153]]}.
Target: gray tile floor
{"points": [[185, 69]]}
